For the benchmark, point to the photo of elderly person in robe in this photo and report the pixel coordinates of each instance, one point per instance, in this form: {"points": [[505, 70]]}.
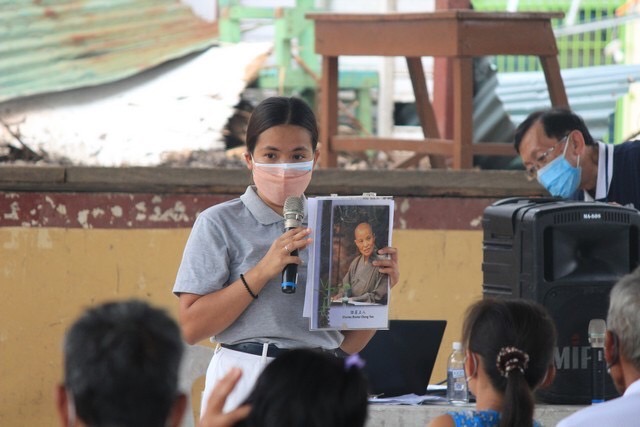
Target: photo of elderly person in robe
{"points": [[359, 279], [348, 285]]}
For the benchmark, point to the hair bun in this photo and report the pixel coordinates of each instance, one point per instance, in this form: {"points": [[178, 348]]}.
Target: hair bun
{"points": [[510, 358]]}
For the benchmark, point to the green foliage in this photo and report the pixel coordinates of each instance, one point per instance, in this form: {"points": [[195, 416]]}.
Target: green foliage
{"points": [[578, 50], [325, 290]]}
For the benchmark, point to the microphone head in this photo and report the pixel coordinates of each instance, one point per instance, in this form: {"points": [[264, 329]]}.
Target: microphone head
{"points": [[293, 212], [597, 330]]}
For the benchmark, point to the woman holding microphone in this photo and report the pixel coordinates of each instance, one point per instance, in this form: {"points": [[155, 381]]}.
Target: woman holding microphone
{"points": [[228, 282]]}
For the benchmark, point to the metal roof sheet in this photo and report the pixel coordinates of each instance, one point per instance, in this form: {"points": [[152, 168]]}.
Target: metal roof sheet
{"points": [[592, 93], [55, 45], [503, 100]]}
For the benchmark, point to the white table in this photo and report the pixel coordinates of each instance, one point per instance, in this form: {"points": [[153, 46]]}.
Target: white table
{"points": [[420, 415]]}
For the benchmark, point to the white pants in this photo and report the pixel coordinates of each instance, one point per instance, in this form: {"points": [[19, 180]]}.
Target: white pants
{"points": [[222, 361]]}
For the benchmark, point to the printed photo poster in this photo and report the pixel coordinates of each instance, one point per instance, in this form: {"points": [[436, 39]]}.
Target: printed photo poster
{"points": [[345, 291]]}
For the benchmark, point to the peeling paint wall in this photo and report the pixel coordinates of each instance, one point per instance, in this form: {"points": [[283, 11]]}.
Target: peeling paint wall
{"points": [[62, 252], [101, 210]]}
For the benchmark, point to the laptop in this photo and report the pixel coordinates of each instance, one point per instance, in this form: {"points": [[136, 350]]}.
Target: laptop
{"points": [[400, 360]]}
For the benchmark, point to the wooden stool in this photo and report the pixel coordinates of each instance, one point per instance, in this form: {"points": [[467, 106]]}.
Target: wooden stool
{"points": [[456, 34]]}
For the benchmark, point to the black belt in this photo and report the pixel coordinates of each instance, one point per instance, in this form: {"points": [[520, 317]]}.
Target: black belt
{"points": [[273, 350]]}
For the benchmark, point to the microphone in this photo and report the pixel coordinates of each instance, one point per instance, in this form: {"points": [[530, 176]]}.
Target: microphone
{"points": [[293, 212], [597, 330]]}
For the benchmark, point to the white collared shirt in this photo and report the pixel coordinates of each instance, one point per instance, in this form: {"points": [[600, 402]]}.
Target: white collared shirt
{"points": [[605, 172], [621, 412]]}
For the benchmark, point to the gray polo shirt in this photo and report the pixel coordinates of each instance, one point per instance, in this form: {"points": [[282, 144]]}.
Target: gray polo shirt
{"points": [[231, 238]]}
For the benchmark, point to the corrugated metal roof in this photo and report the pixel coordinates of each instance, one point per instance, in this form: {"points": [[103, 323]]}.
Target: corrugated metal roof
{"points": [[55, 45], [592, 93], [503, 100]]}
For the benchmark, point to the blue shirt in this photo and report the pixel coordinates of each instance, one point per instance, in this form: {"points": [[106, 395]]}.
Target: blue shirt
{"points": [[472, 418]]}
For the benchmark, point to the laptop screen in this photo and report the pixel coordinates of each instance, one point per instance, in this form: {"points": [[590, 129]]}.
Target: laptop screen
{"points": [[400, 360]]}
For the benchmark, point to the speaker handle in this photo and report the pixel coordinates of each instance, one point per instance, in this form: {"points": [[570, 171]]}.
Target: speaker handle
{"points": [[514, 200]]}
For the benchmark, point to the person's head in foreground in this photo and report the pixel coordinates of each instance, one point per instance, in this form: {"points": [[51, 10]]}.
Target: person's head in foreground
{"points": [[622, 354], [121, 364], [509, 353], [309, 388], [622, 340]]}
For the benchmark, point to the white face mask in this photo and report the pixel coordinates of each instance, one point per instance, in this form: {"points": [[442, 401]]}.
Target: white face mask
{"points": [[284, 168], [277, 181]]}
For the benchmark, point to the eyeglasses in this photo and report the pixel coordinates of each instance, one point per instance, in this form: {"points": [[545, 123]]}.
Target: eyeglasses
{"points": [[541, 160]]}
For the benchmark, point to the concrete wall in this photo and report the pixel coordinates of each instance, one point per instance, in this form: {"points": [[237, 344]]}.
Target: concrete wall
{"points": [[70, 238]]}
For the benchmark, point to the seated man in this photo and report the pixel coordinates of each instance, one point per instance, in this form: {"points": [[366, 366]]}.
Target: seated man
{"points": [[557, 149], [363, 281], [121, 363], [622, 354]]}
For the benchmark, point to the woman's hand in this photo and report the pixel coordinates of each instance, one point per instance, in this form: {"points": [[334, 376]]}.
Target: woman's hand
{"points": [[213, 415], [389, 265], [202, 316], [279, 254]]}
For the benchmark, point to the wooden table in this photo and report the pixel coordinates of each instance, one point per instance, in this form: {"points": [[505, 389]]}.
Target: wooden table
{"points": [[457, 34]]}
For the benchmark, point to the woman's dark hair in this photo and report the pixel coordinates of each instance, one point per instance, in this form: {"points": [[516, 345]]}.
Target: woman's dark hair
{"points": [[308, 388], [524, 327], [556, 122], [280, 110]]}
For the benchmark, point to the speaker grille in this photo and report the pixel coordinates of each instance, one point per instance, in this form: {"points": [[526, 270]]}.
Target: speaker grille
{"points": [[567, 217], [619, 217], [591, 216]]}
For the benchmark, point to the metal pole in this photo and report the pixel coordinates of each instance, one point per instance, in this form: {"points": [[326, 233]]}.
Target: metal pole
{"points": [[385, 93]]}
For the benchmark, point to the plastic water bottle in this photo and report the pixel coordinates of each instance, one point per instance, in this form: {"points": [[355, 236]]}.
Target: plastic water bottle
{"points": [[457, 391]]}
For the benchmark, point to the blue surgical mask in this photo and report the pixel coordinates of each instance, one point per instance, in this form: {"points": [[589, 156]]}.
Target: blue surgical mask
{"points": [[559, 177]]}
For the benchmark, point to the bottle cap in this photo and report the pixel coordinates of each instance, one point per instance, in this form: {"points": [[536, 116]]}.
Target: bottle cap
{"points": [[457, 345]]}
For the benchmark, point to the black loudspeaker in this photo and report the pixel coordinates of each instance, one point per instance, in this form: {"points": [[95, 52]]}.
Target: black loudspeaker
{"points": [[565, 255]]}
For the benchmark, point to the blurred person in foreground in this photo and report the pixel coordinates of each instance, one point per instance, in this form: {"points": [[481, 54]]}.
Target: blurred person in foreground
{"points": [[309, 388], [121, 366], [622, 354]]}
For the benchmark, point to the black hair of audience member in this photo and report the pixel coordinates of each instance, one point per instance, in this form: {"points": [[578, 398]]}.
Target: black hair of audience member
{"points": [[121, 364], [308, 388], [494, 324]]}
